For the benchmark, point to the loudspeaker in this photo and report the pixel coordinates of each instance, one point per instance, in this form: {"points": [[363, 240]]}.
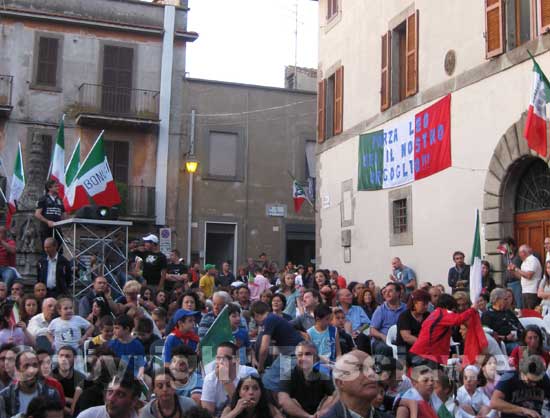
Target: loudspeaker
{"points": [[97, 212]]}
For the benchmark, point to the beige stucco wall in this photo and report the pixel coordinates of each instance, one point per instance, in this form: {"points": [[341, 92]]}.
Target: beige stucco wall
{"points": [[444, 204]]}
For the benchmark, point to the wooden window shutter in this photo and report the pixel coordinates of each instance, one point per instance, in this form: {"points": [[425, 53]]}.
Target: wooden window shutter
{"points": [[494, 27], [321, 110], [544, 13], [385, 89], [339, 101], [411, 60], [47, 61]]}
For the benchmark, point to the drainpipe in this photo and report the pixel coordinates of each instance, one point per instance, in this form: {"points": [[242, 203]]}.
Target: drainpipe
{"points": [[190, 196], [164, 113]]}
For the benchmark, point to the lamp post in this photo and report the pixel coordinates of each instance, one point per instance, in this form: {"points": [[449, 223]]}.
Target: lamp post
{"points": [[191, 165]]}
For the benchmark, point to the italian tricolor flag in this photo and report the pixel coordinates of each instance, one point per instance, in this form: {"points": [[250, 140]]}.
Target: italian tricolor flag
{"points": [[58, 159], [94, 178], [17, 185], [70, 177], [298, 195], [475, 265], [535, 126]]}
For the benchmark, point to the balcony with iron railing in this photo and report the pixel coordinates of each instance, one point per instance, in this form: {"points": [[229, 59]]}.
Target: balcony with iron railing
{"points": [[6, 89], [138, 202], [100, 106]]}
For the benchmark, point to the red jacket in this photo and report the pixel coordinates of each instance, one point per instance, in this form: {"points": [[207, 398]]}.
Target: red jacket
{"points": [[434, 341]]}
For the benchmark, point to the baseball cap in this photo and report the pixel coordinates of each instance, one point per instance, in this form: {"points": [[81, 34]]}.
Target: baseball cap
{"points": [[209, 266], [237, 284], [182, 313], [151, 238]]}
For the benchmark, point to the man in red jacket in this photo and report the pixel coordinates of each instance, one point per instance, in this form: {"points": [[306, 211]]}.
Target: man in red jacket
{"points": [[433, 343]]}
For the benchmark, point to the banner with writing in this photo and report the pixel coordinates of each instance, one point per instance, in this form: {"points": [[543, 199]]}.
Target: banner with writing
{"points": [[411, 149]]}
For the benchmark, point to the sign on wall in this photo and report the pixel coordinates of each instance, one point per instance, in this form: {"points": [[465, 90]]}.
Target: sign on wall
{"points": [[407, 151], [165, 241]]}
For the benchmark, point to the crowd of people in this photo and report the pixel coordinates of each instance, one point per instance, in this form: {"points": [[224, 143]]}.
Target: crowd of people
{"points": [[305, 342]]}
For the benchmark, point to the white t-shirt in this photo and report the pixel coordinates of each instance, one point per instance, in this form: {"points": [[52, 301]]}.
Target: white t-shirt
{"points": [[212, 388], [25, 399], [531, 263], [67, 332], [99, 412]]}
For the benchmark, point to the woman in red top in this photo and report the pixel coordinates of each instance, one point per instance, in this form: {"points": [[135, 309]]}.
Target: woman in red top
{"points": [[531, 345], [434, 341]]}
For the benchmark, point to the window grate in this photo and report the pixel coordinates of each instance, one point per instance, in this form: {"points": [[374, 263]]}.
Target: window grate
{"points": [[400, 225]]}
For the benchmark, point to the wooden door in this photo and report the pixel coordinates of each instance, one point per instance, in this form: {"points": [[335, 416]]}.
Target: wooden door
{"points": [[118, 63], [531, 228]]}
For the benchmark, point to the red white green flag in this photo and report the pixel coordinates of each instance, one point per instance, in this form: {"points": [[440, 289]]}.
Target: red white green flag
{"points": [[299, 195], [536, 125], [58, 159], [70, 202], [17, 185], [95, 179]]}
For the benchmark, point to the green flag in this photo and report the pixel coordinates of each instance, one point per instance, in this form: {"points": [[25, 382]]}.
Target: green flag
{"points": [[475, 264], [371, 161], [219, 332]]}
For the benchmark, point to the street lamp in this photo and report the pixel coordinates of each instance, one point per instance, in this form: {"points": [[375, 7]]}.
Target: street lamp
{"points": [[191, 165]]}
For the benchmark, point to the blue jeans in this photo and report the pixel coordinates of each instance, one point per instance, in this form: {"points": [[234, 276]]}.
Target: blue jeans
{"points": [[516, 290], [8, 276]]}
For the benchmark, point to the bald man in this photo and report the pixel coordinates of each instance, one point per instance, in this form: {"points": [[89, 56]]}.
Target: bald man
{"points": [[38, 324], [357, 385], [530, 274], [54, 270]]}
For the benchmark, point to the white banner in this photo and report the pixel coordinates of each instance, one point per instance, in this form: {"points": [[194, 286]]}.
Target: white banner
{"points": [[399, 154]]}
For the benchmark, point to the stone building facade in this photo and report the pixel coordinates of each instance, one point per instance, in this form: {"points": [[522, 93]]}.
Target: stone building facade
{"points": [[383, 62]]}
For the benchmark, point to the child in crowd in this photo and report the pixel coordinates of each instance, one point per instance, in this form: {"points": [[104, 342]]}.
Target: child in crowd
{"points": [[159, 318], [67, 329], [144, 332], [183, 333], [339, 321], [443, 400], [105, 331], [129, 349], [325, 336], [489, 376], [188, 379], [240, 333], [472, 401]]}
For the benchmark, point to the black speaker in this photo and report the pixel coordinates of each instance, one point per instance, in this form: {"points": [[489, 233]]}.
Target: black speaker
{"points": [[97, 212]]}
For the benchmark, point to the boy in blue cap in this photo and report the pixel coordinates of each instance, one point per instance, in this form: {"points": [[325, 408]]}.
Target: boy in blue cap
{"points": [[182, 334]]}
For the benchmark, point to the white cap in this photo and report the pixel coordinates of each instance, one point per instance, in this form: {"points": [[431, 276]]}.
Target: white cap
{"points": [[237, 284], [151, 238]]}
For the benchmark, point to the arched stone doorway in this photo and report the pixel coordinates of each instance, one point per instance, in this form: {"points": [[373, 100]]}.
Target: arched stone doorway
{"points": [[516, 195]]}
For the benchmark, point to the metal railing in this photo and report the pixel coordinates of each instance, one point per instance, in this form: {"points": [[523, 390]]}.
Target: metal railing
{"points": [[137, 201], [118, 101], [6, 87]]}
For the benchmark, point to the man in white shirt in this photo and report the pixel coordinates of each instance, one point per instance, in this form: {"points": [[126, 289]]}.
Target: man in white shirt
{"points": [[219, 385], [121, 400], [547, 248], [38, 324], [530, 274]]}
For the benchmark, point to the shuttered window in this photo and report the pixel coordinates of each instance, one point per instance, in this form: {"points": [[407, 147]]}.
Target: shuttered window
{"points": [[223, 149], [321, 110], [411, 56], [338, 100], [118, 64], [385, 90], [544, 13], [118, 154], [494, 27], [399, 69], [46, 68]]}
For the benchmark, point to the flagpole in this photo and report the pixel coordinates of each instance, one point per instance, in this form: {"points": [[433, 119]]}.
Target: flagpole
{"points": [[305, 195]]}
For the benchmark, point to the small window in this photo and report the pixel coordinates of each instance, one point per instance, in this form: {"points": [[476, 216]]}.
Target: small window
{"points": [[399, 216], [47, 62], [330, 105], [290, 81], [332, 8], [223, 155], [118, 154], [329, 113], [518, 22]]}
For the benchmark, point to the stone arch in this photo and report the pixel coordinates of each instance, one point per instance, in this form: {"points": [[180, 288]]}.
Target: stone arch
{"points": [[510, 159]]}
